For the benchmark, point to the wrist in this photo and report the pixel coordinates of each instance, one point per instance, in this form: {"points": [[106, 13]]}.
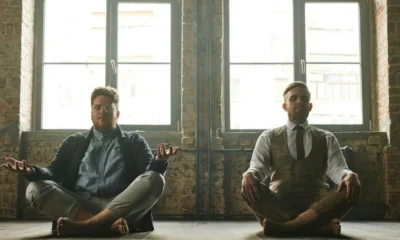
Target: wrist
{"points": [[157, 158], [245, 173], [248, 172], [29, 170], [349, 174]]}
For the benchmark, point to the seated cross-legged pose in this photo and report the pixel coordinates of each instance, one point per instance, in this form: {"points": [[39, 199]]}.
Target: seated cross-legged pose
{"points": [[102, 181], [295, 158]]}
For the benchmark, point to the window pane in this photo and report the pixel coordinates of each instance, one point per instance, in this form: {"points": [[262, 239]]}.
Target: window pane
{"points": [[335, 94], [74, 31], [261, 30], [144, 32], [145, 93], [66, 95], [256, 95], [330, 38]]}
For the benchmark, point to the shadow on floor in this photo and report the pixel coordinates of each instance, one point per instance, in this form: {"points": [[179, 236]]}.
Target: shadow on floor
{"points": [[260, 234]]}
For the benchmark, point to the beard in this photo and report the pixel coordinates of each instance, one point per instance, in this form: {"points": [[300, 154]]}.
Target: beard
{"points": [[299, 115]]}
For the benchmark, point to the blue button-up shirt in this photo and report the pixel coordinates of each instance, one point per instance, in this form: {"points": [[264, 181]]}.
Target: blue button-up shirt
{"points": [[101, 170]]}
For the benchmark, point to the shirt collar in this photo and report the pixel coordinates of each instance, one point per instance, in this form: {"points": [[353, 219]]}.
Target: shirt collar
{"points": [[291, 125], [100, 136]]}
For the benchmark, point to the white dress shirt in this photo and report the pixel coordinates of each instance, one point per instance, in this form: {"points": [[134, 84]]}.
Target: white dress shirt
{"points": [[260, 164]]}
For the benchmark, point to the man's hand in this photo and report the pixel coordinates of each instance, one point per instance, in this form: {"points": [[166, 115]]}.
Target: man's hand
{"points": [[353, 185], [17, 166], [162, 154], [250, 187]]}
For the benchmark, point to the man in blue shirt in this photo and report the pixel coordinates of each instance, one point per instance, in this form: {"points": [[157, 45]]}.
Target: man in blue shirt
{"points": [[104, 180]]}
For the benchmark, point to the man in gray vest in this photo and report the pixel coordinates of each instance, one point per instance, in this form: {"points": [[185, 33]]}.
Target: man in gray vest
{"points": [[297, 157]]}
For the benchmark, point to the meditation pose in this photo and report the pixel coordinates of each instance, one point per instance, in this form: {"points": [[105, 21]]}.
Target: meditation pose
{"points": [[285, 187], [102, 181]]}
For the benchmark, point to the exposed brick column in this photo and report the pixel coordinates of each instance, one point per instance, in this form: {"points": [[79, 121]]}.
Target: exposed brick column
{"points": [[184, 184], [387, 19], [16, 54], [189, 70], [27, 56], [392, 157], [217, 75], [393, 43], [382, 64]]}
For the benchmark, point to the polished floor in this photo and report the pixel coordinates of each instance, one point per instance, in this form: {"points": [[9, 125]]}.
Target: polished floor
{"points": [[171, 230]]}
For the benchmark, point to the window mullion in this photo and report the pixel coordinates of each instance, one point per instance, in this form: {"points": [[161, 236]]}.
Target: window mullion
{"points": [[365, 69], [111, 43], [175, 67], [296, 47], [300, 26], [38, 73]]}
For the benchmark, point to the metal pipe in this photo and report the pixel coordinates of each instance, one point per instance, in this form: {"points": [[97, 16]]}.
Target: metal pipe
{"points": [[203, 216], [197, 177], [210, 127], [212, 150]]}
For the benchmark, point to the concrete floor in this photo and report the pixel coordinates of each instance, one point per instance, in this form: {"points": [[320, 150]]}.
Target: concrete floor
{"points": [[169, 230]]}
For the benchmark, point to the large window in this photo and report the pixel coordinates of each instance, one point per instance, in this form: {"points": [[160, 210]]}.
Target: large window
{"points": [[271, 43], [130, 45]]}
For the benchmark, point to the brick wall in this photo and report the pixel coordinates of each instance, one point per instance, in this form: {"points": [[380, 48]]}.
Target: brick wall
{"points": [[16, 46], [374, 161], [382, 90], [185, 202], [27, 56], [387, 44]]}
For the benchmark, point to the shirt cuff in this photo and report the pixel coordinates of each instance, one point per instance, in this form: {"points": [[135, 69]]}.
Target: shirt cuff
{"points": [[255, 173], [340, 174], [166, 159]]}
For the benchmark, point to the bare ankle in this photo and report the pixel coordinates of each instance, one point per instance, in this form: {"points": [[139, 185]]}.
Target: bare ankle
{"points": [[331, 228], [275, 228], [294, 226], [102, 219], [82, 215]]}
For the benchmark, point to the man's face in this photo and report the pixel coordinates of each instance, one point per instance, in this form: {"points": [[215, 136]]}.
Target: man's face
{"points": [[104, 113], [297, 104]]}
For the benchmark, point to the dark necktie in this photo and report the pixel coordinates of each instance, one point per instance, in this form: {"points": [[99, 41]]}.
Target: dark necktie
{"points": [[299, 142]]}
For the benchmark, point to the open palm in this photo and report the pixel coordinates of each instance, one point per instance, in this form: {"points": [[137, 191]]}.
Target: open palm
{"points": [[17, 166]]}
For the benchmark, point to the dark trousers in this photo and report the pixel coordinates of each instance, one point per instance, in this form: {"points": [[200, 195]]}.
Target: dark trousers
{"points": [[328, 205]]}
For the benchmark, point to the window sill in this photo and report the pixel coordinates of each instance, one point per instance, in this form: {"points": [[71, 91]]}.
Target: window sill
{"points": [[341, 136], [59, 135]]}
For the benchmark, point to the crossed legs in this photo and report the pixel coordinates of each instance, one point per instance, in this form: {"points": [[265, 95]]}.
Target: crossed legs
{"points": [[278, 216], [76, 214]]}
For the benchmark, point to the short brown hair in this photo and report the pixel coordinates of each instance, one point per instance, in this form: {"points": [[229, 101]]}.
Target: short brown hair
{"points": [[107, 92], [294, 85]]}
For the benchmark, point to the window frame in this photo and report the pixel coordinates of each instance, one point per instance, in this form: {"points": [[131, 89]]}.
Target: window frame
{"points": [[111, 54], [299, 48]]}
